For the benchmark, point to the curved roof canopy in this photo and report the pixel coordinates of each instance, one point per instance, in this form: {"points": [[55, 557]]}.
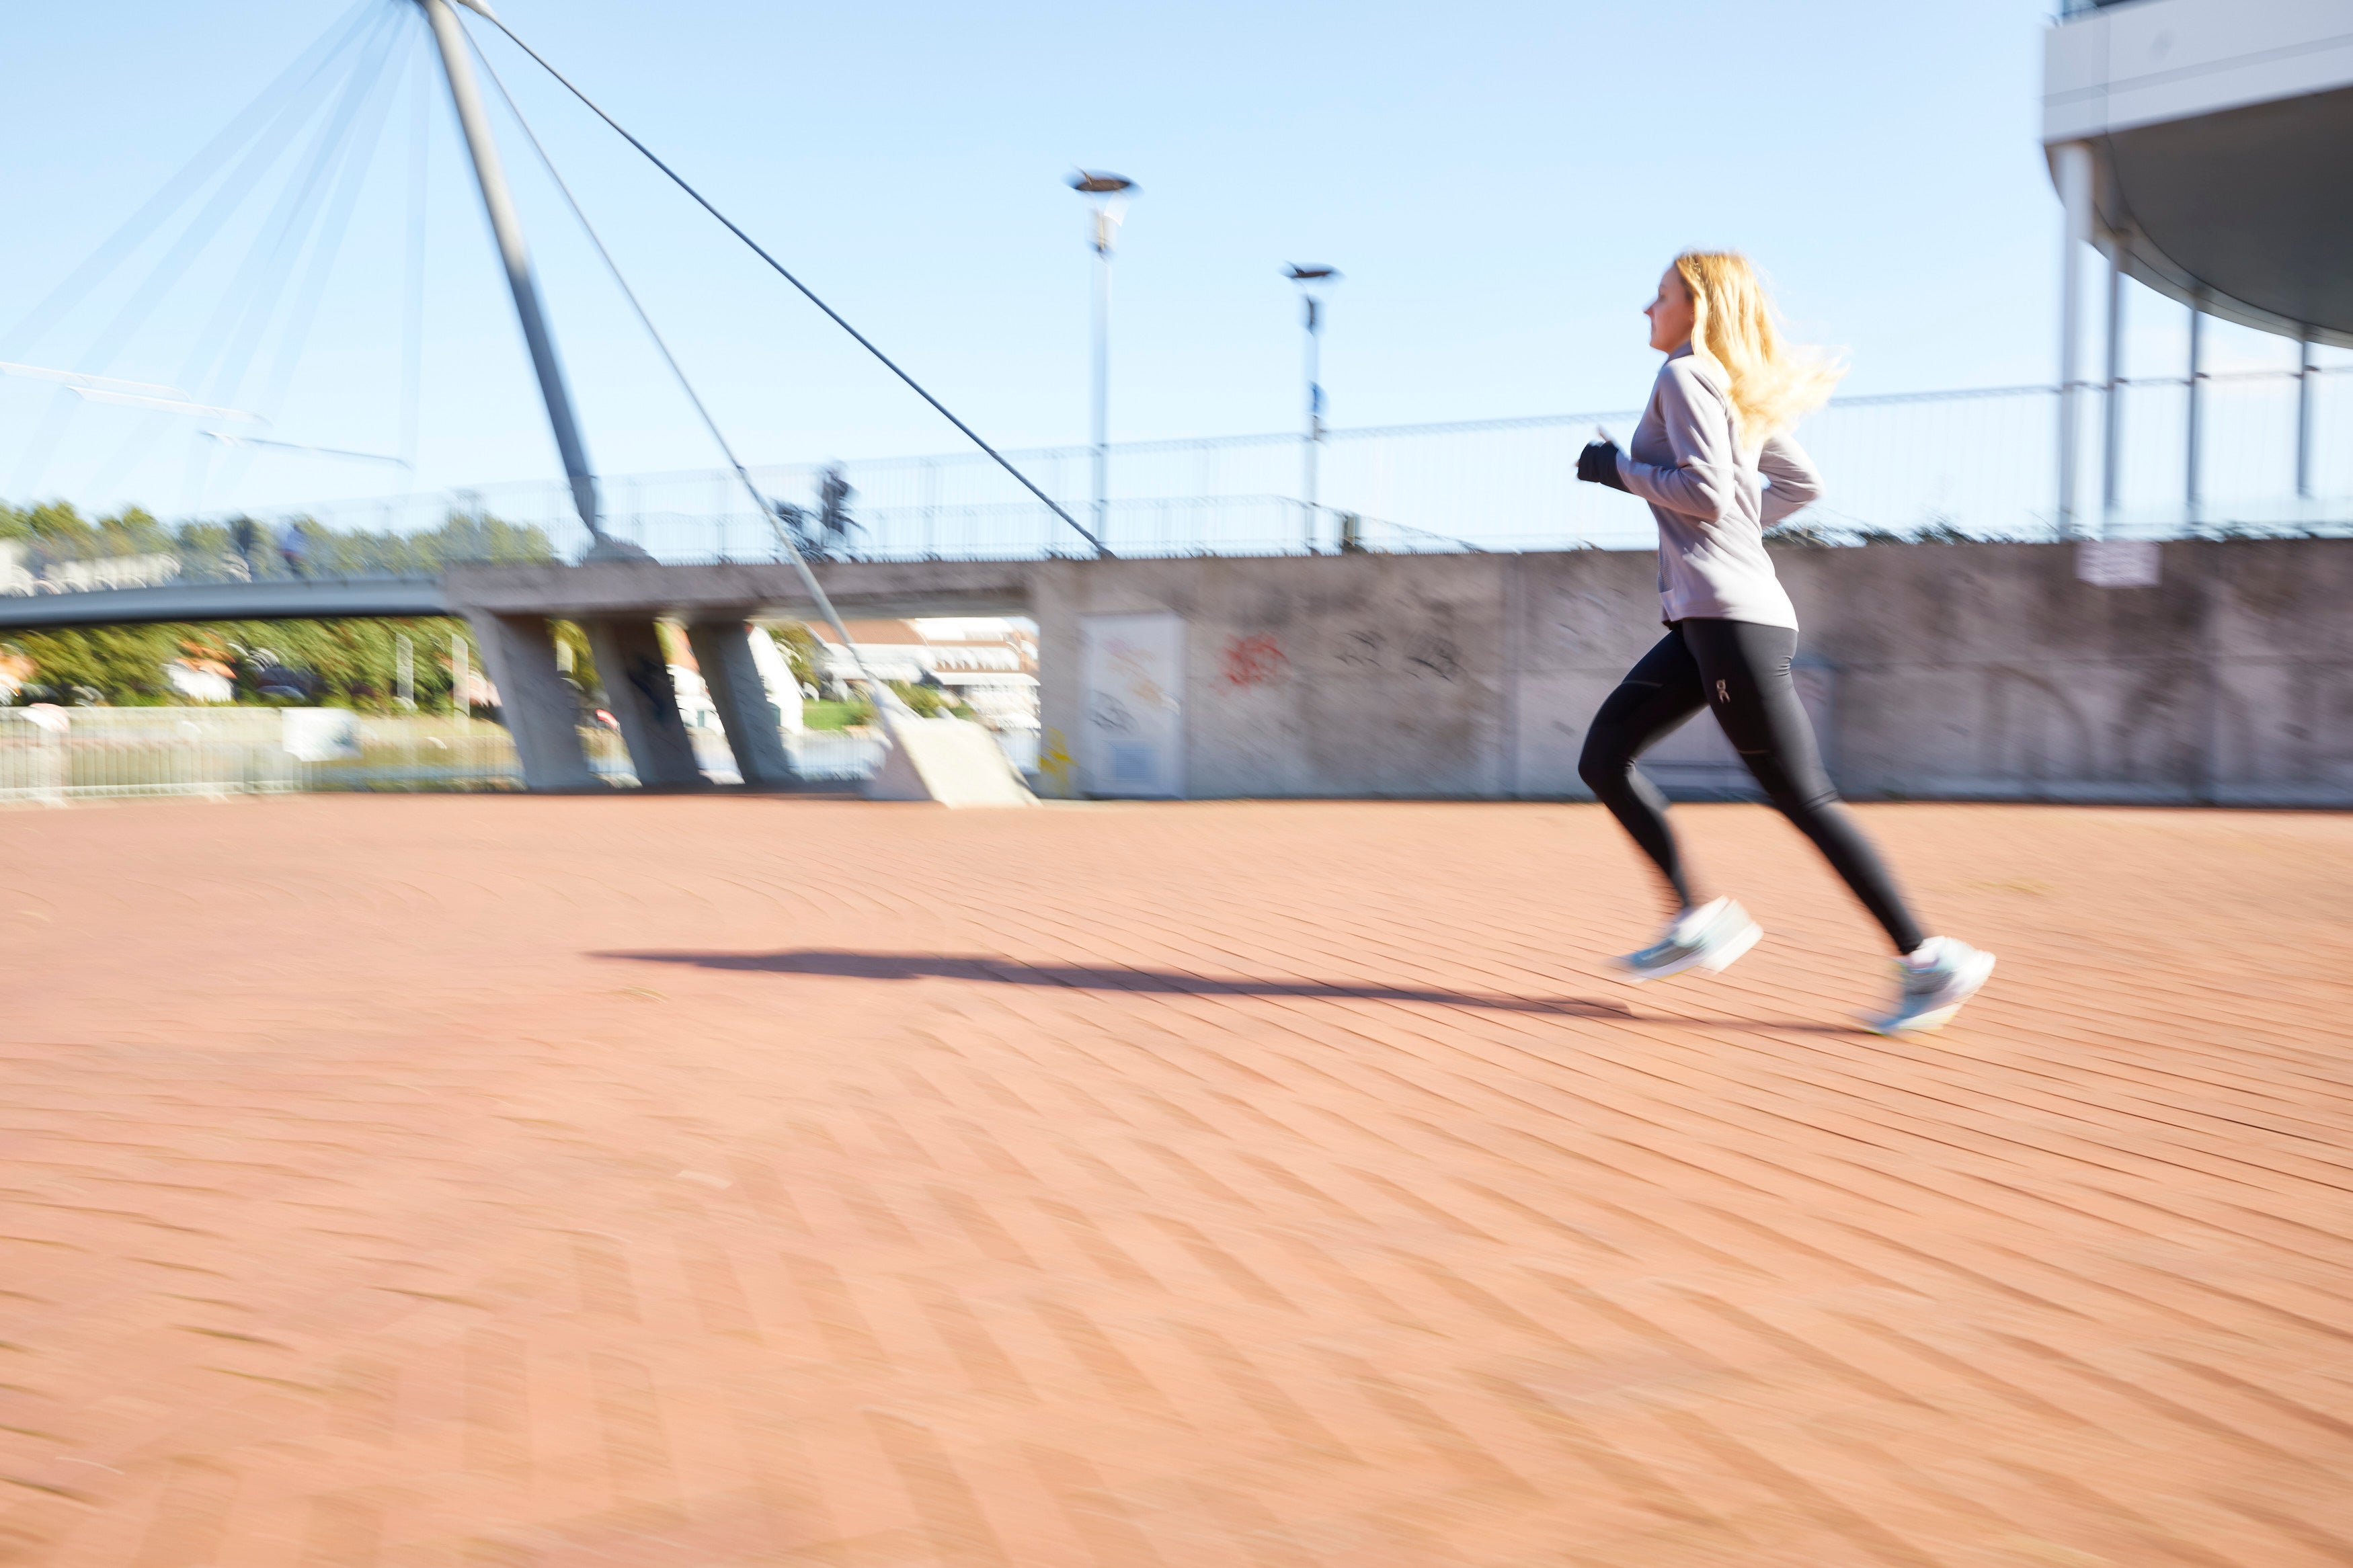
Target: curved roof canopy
{"points": [[2222, 134]]}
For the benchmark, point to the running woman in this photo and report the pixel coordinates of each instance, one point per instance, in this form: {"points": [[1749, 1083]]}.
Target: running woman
{"points": [[1713, 457]]}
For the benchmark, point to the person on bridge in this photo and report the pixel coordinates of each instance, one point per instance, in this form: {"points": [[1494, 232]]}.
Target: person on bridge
{"points": [[1713, 457], [296, 549]]}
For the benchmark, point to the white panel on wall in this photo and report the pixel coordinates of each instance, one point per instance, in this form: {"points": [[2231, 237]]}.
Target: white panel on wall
{"points": [[1131, 729]]}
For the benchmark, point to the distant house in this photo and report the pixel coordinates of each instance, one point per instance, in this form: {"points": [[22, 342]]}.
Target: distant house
{"points": [[202, 679], [989, 663]]}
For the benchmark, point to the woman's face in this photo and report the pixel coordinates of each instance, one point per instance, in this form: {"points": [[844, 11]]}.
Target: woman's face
{"points": [[1670, 313]]}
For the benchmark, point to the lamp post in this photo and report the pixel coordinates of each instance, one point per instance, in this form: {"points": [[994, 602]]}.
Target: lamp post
{"points": [[1107, 196], [1309, 280]]}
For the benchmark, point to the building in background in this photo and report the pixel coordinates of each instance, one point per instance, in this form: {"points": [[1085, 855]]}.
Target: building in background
{"points": [[987, 663], [202, 679], [2204, 148]]}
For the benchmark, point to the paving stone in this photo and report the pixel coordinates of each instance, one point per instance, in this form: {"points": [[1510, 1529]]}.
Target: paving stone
{"points": [[515, 1182]]}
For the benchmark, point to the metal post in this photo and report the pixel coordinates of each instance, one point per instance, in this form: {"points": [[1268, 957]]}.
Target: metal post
{"points": [[2112, 445], [461, 678], [1107, 196], [491, 176], [403, 679], [2194, 479], [2304, 374], [1315, 413], [2075, 175], [1103, 375]]}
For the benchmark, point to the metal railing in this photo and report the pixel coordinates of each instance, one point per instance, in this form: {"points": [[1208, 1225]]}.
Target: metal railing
{"points": [[56, 756], [1979, 464]]}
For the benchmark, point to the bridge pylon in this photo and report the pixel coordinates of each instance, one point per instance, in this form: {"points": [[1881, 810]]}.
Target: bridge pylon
{"points": [[523, 281]]}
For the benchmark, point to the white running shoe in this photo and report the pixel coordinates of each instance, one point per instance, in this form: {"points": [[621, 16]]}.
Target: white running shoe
{"points": [[1709, 937], [1936, 977]]}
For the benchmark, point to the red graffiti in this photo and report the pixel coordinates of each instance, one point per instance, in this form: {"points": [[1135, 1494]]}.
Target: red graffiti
{"points": [[1254, 661]]}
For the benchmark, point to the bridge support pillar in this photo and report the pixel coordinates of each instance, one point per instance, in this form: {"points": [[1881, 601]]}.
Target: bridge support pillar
{"points": [[635, 673], [541, 713], [739, 689]]}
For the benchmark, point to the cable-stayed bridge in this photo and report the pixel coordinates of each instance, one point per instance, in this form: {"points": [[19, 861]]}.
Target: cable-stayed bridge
{"points": [[2200, 453]]}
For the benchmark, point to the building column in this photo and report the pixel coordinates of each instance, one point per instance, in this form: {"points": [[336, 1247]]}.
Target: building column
{"points": [[739, 689], [2193, 477], [2074, 169], [2112, 444], [542, 713], [635, 673], [2304, 372]]}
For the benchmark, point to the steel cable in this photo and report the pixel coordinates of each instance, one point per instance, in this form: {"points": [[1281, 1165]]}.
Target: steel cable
{"points": [[264, 147], [251, 121], [235, 333], [806, 292], [886, 701]]}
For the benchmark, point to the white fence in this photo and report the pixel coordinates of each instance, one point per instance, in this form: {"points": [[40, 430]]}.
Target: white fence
{"points": [[1979, 464], [1982, 463], [54, 756], [46, 755]]}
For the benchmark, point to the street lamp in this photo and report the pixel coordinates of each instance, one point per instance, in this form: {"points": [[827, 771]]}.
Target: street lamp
{"points": [[1309, 280], [1107, 196]]}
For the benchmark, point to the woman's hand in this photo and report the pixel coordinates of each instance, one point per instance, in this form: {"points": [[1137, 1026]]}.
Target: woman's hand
{"points": [[1598, 463]]}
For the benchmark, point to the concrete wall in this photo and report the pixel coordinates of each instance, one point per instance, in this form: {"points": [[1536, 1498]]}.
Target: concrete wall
{"points": [[1955, 672]]}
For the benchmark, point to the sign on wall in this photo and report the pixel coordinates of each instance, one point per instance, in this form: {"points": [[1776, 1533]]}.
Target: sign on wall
{"points": [[2118, 563], [1131, 729]]}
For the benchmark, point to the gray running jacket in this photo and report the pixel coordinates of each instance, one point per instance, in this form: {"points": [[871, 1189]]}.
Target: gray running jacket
{"points": [[1712, 499]]}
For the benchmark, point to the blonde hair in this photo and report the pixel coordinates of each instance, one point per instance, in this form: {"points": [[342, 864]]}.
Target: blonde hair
{"points": [[1772, 383]]}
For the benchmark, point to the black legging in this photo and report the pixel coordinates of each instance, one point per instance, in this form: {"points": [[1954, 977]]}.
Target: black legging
{"points": [[1741, 672]]}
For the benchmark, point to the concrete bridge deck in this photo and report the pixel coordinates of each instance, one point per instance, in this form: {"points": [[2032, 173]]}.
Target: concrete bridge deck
{"points": [[493, 1182], [740, 590], [2224, 675]]}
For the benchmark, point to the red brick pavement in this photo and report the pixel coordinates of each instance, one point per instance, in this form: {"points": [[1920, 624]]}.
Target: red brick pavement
{"points": [[493, 1182]]}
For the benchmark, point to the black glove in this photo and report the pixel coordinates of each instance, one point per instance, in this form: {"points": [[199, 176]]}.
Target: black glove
{"points": [[1598, 463]]}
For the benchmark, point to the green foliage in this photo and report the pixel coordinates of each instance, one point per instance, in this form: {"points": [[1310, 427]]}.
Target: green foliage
{"points": [[352, 663], [118, 665], [462, 539], [242, 548], [925, 702], [346, 663], [571, 638], [340, 663], [823, 714], [799, 647], [57, 525]]}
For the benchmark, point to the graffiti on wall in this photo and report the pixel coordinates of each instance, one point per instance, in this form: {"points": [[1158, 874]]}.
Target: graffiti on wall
{"points": [[1253, 660]]}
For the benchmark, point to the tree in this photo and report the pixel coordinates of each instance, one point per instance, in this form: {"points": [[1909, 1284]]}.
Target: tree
{"points": [[119, 664], [802, 654]]}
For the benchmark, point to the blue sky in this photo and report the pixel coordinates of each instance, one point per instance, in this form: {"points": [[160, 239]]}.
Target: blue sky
{"points": [[1500, 182]]}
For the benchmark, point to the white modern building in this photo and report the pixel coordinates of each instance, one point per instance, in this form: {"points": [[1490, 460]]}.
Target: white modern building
{"points": [[2204, 148]]}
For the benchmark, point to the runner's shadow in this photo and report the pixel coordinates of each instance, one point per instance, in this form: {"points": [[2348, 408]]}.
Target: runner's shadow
{"points": [[1102, 977]]}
